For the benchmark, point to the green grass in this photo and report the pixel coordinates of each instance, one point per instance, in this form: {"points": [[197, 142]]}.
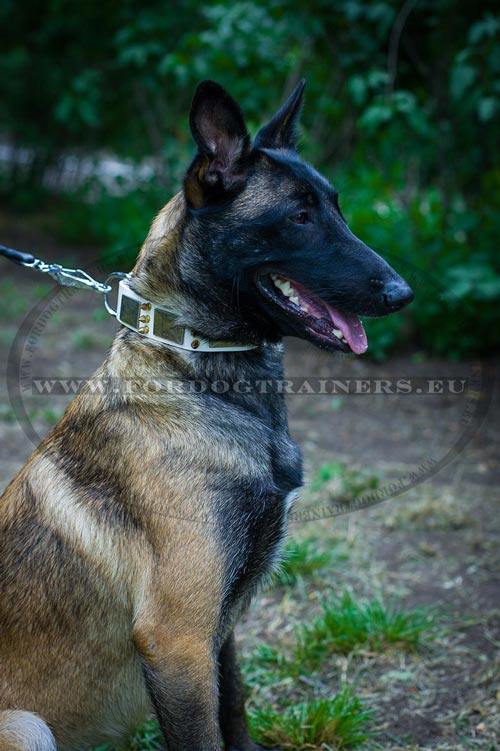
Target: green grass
{"points": [[338, 723], [7, 413], [304, 558], [341, 722], [14, 305], [16, 301], [100, 315], [264, 666], [343, 481], [347, 624], [147, 737], [84, 340], [45, 414]]}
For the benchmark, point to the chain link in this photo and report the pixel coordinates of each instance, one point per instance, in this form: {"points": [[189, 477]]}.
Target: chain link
{"points": [[68, 277]]}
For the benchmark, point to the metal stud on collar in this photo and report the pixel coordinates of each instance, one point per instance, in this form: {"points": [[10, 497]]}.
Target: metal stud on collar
{"points": [[160, 324]]}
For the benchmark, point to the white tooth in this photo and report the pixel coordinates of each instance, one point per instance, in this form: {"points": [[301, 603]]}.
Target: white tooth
{"points": [[338, 333], [304, 309], [280, 285], [285, 287], [295, 299]]}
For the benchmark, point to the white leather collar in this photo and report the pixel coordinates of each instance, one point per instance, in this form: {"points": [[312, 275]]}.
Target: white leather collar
{"points": [[158, 323]]}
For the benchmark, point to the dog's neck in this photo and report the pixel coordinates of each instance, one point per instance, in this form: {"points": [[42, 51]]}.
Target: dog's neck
{"points": [[167, 257], [170, 272], [155, 275]]}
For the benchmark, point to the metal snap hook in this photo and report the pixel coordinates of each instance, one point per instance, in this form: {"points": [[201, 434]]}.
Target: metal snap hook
{"points": [[120, 275]]}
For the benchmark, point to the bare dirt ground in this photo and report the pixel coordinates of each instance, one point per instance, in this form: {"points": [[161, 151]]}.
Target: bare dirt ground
{"points": [[436, 544]]}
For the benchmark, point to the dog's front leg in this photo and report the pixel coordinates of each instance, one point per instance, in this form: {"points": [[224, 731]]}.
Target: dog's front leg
{"points": [[233, 721], [181, 677]]}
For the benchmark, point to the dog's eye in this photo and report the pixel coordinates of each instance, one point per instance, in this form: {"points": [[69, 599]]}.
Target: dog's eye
{"points": [[301, 218]]}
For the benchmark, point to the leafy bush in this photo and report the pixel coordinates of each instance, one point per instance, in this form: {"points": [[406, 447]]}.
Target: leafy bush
{"points": [[118, 223], [402, 114], [445, 248]]}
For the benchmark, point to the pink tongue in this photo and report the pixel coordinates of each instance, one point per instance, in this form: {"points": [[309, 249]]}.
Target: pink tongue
{"points": [[351, 327]]}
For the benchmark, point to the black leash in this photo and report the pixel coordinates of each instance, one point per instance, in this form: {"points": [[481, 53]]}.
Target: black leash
{"points": [[17, 256]]}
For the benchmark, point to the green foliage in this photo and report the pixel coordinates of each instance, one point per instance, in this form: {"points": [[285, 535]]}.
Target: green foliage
{"points": [[119, 223], [147, 737], [443, 244], [347, 624], [405, 124], [338, 723], [45, 414]]}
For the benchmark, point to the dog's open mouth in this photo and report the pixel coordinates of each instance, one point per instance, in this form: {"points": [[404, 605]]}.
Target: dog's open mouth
{"points": [[322, 323]]}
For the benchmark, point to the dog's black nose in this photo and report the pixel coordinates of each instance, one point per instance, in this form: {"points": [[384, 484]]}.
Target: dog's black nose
{"points": [[396, 295]]}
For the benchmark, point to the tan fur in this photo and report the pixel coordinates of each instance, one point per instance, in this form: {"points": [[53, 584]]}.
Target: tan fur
{"points": [[135, 584], [141, 526], [155, 272]]}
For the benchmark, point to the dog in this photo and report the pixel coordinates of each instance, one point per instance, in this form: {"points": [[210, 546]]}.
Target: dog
{"points": [[142, 525]]}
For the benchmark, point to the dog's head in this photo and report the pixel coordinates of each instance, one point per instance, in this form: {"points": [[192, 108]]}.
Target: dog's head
{"points": [[270, 236]]}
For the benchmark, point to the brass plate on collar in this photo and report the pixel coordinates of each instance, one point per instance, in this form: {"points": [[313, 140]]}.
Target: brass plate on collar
{"points": [[214, 344], [129, 311], [165, 328]]}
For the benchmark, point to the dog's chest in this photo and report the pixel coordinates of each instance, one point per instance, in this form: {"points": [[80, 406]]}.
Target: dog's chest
{"points": [[254, 509]]}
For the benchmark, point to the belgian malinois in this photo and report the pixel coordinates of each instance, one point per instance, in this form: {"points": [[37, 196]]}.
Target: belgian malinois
{"points": [[144, 522]]}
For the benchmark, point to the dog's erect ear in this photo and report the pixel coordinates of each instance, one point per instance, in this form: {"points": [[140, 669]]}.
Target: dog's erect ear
{"points": [[281, 131], [219, 130]]}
